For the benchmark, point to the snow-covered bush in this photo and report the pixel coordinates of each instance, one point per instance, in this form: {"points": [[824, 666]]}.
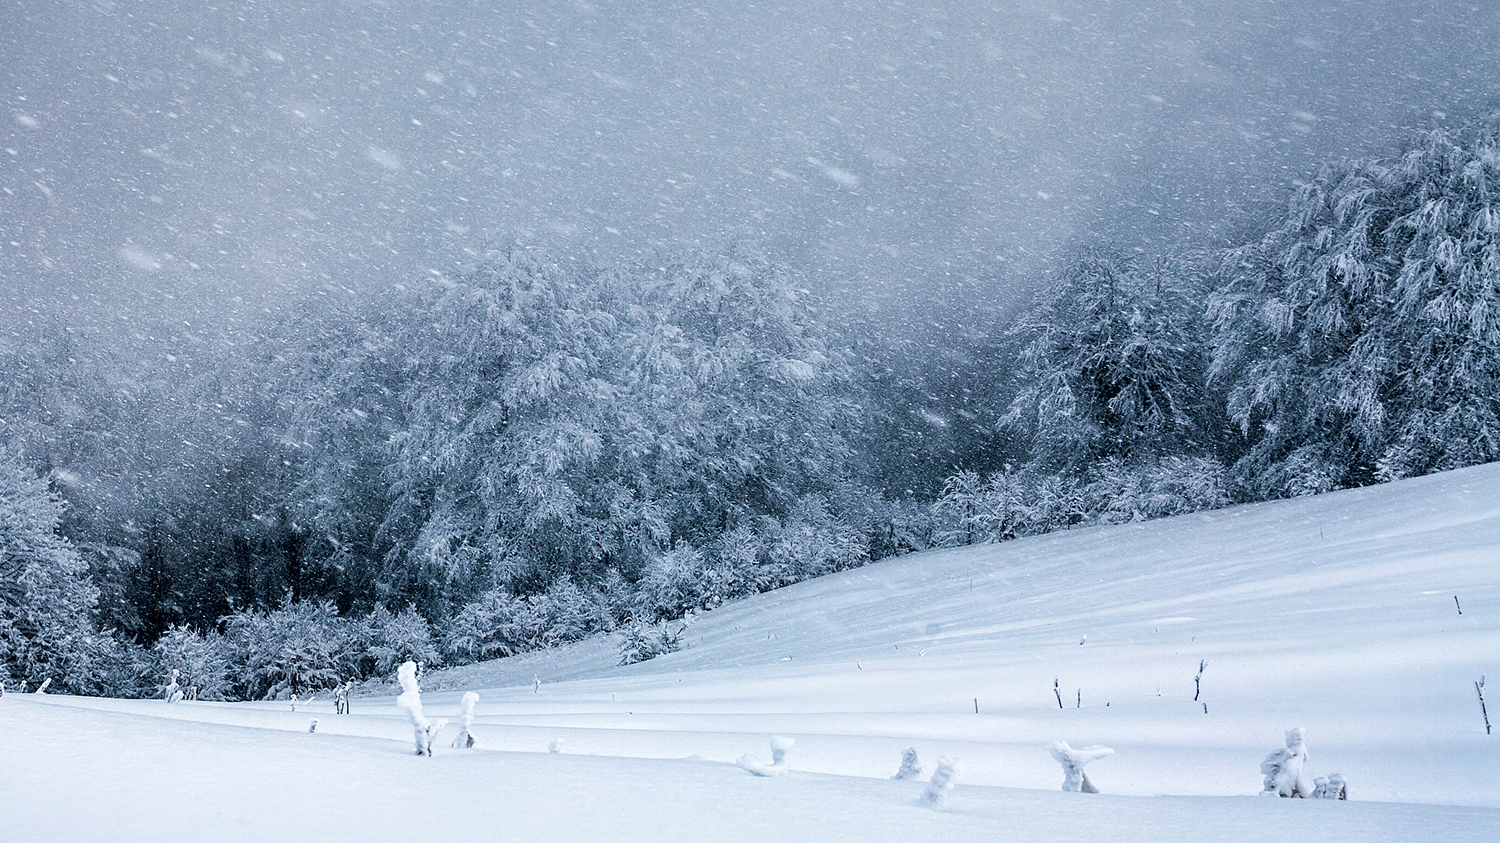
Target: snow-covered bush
{"points": [[1005, 505], [172, 692], [779, 765], [383, 640], [202, 661], [1173, 485], [941, 783], [298, 648], [1284, 768], [1075, 780], [641, 641], [488, 627]]}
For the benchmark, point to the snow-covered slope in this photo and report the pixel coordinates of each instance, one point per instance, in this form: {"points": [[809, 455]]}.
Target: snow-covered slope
{"points": [[1335, 613]]}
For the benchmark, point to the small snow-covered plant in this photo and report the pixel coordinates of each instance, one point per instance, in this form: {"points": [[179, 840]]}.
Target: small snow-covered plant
{"points": [[1075, 780], [910, 766], [1283, 768], [46, 683], [341, 697], [312, 725], [173, 692], [556, 746], [1331, 786], [941, 782], [465, 738], [779, 765], [410, 701]]}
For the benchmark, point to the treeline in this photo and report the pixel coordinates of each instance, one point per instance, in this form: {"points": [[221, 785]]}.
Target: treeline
{"points": [[538, 449]]}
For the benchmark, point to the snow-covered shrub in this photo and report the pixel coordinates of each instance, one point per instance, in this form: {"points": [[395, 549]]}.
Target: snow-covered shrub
{"points": [[810, 542], [488, 627], [465, 737], [410, 701], [341, 697], [1075, 780], [202, 660], [941, 783], [910, 766], [779, 765], [384, 640], [565, 612], [891, 526], [641, 641], [1005, 505], [1173, 485], [677, 580], [1284, 768], [298, 648]]}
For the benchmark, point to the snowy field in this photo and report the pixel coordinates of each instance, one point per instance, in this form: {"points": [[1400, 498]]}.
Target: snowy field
{"points": [[1335, 613]]}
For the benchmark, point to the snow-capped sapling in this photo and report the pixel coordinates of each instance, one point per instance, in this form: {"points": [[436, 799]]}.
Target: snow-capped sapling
{"points": [[910, 766], [555, 746], [341, 695], [46, 683], [410, 701], [172, 693], [1283, 768], [1331, 786], [465, 737], [1075, 780], [779, 765], [1479, 687], [941, 782]]}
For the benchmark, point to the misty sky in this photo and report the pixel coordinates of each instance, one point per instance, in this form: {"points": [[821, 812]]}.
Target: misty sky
{"points": [[192, 157]]}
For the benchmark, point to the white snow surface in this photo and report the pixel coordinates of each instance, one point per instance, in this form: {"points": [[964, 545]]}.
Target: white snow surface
{"points": [[1335, 614]]}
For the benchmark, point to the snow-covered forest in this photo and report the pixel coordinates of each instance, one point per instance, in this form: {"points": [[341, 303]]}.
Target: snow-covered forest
{"points": [[535, 448]]}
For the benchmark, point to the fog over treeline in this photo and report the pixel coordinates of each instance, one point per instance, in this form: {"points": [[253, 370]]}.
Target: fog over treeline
{"points": [[341, 334]]}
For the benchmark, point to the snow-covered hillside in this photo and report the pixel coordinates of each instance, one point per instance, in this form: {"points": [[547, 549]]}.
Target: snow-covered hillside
{"points": [[1335, 613]]}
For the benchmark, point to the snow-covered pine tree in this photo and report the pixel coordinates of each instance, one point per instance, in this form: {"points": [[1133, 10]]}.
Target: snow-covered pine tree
{"points": [[1357, 339]]}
